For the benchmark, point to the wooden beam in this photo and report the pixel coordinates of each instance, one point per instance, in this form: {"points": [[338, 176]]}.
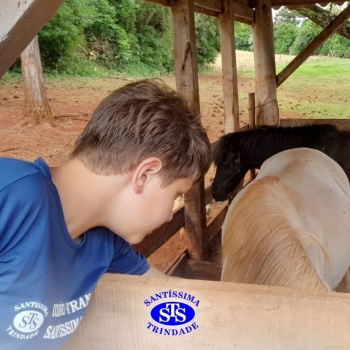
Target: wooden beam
{"points": [[205, 11], [227, 316], [313, 46], [229, 68], [166, 256], [159, 236], [187, 85], [214, 225], [214, 5], [20, 22], [266, 111], [243, 13]]}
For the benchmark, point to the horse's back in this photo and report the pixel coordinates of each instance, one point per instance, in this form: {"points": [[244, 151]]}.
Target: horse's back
{"points": [[312, 192], [309, 163]]}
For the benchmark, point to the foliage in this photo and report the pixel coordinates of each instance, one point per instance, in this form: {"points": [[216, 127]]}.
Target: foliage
{"points": [[285, 34], [295, 34], [207, 39], [243, 37], [61, 37], [336, 46], [283, 15], [86, 37], [308, 31], [154, 37]]}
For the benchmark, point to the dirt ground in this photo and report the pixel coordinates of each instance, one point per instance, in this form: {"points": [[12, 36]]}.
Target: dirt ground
{"points": [[72, 103]]}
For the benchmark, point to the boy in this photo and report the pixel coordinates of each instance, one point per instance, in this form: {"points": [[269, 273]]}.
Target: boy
{"points": [[62, 228]]}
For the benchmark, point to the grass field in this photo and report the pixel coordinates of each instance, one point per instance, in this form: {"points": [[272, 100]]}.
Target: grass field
{"points": [[320, 88]]}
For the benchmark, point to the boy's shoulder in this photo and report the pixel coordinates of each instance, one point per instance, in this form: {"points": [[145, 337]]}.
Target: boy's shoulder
{"points": [[13, 170]]}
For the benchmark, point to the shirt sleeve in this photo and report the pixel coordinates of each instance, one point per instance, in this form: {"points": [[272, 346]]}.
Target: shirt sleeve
{"points": [[126, 260]]}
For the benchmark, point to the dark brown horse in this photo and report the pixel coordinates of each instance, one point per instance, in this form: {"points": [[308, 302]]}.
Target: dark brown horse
{"points": [[238, 152]]}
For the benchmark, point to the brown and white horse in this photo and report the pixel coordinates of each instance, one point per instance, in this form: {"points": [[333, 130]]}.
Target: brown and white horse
{"points": [[291, 225]]}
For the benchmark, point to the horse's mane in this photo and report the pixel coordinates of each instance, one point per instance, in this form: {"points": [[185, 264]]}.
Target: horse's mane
{"points": [[276, 138], [264, 141], [265, 249]]}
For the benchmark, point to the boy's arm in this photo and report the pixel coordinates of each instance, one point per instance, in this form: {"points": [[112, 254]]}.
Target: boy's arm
{"points": [[153, 272]]}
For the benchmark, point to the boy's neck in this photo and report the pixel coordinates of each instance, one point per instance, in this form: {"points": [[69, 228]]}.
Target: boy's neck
{"points": [[82, 194]]}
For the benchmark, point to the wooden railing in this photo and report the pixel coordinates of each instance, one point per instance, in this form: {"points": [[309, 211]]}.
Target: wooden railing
{"points": [[161, 235]]}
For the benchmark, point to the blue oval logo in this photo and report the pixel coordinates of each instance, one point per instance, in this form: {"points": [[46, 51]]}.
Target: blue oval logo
{"points": [[172, 313]]}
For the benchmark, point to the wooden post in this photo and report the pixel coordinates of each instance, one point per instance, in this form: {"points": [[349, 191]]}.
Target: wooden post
{"points": [[187, 85], [251, 104], [229, 67], [265, 70], [252, 124]]}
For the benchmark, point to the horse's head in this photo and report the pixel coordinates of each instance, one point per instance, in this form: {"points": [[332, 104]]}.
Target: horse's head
{"points": [[229, 169]]}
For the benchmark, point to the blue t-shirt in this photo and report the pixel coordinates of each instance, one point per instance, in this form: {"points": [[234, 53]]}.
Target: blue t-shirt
{"points": [[46, 278]]}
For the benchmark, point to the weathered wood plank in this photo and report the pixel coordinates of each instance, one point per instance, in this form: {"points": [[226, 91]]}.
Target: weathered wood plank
{"points": [[228, 316], [187, 85], [243, 12], [214, 225], [159, 236], [229, 68], [265, 69], [20, 22]]}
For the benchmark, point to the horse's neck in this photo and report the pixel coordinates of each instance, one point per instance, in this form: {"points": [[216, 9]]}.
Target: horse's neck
{"points": [[255, 149]]}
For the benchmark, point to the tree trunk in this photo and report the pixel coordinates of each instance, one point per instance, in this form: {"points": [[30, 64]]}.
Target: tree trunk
{"points": [[36, 107], [323, 17]]}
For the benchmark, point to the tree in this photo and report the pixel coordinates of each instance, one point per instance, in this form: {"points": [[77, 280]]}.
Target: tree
{"points": [[283, 15], [243, 36], [285, 35], [36, 107], [323, 17], [207, 39]]}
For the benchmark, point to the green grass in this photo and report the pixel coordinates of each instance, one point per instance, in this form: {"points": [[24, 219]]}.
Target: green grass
{"points": [[318, 89]]}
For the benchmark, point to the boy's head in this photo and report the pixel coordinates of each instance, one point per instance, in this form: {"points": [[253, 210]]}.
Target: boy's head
{"points": [[141, 120]]}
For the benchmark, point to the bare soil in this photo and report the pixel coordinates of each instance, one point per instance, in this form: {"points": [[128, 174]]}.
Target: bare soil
{"points": [[72, 103]]}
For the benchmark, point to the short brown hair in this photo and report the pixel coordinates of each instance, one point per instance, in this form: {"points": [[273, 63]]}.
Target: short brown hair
{"points": [[140, 120]]}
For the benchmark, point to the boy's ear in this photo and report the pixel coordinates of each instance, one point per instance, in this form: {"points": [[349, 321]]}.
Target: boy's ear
{"points": [[143, 173]]}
